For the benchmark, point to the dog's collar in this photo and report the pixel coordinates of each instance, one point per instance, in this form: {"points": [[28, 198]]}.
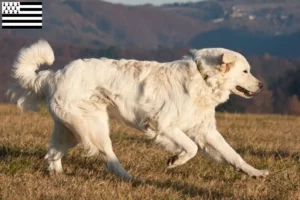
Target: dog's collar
{"points": [[200, 69]]}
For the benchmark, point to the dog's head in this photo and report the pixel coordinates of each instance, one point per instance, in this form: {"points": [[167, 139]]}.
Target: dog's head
{"points": [[227, 70]]}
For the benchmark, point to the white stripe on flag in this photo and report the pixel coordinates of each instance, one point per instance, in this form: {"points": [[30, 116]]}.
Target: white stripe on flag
{"points": [[22, 24], [22, 18], [31, 6], [30, 12]]}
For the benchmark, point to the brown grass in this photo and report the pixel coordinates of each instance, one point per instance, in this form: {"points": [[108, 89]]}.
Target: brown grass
{"points": [[265, 141]]}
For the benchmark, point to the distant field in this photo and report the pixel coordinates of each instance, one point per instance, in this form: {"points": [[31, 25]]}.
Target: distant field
{"points": [[265, 141]]}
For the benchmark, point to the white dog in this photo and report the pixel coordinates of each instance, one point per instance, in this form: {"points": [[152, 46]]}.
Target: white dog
{"points": [[172, 102]]}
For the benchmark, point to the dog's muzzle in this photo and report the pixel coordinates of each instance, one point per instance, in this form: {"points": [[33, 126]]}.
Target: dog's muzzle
{"points": [[245, 91]]}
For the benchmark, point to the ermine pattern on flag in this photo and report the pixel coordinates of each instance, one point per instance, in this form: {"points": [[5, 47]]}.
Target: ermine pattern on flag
{"points": [[22, 15]]}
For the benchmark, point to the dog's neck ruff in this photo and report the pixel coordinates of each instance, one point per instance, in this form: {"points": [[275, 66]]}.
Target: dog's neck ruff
{"points": [[200, 69]]}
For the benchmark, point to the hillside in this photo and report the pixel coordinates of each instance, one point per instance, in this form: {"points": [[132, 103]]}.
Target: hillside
{"points": [[270, 17], [97, 23], [102, 24]]}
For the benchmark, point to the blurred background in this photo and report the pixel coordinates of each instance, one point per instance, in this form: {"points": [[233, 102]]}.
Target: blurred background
{"points": [[267, 32]]}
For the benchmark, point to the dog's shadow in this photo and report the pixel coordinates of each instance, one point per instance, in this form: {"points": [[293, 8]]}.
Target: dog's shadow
{"points": [[184, 188], [261, 153], [8, 152]]}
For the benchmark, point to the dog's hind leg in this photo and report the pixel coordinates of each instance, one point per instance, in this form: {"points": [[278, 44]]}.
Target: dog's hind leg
{"points": [[61, 140], [113, 164], [92, 129]]}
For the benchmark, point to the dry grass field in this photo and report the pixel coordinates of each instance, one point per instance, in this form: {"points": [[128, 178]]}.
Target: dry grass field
{"points": [[265, 141]]}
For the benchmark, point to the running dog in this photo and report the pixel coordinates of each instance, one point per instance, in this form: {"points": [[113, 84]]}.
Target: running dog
{"points": [[173, 103]]}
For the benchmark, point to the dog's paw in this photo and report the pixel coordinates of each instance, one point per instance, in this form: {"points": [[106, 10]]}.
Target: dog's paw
{"points": [[127, 177], [52, 170], [119, 172], [171, 161], [259, 173]]}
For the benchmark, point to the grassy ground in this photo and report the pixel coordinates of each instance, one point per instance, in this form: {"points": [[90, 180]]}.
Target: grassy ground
{"points": [[270, 142]]}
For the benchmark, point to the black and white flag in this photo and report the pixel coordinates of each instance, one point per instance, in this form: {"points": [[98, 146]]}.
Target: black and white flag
{"points": [[22, 15]]}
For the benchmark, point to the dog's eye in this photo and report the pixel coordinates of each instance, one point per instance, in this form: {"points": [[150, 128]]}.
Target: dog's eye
{"points": [[245, 71]]}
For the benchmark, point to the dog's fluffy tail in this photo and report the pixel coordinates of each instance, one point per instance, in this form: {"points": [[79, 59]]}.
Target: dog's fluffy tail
{"points": [[28, 61], [31, 87]]}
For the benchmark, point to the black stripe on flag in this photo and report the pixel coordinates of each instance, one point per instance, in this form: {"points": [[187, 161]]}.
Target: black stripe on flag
{"points": [[22, 15], [30, 3], [21, 27], [30, 9], [22, 21]]}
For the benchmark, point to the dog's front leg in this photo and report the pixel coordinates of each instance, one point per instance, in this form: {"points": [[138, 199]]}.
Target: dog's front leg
{"points": [[189, 148], [220, 150]]}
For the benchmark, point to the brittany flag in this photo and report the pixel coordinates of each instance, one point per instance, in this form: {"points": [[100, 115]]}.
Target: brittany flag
{"points": [[22, 15]]}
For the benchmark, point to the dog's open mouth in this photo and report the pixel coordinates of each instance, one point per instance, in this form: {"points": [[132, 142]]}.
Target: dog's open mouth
{"points": [[246, 92]]}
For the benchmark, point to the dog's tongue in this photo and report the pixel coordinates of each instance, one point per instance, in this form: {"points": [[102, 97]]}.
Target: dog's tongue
{"points": [[251, 93]]}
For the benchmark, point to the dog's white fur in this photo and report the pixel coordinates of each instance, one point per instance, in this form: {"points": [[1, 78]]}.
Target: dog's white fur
{"points": [[170, 102]]}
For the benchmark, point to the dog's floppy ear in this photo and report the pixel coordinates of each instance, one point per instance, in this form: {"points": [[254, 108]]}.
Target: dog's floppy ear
{"points": [[227, 62], [228, 58]]}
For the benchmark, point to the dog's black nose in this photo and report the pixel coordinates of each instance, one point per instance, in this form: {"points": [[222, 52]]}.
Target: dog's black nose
{"points": [[260, 85]]}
